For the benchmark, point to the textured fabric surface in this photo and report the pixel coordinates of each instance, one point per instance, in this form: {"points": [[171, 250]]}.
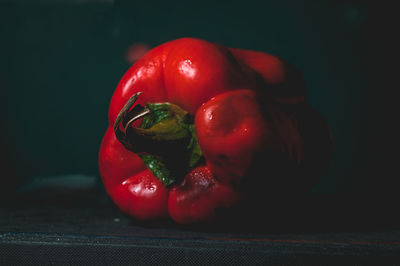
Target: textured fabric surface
{"points": [[64, 227]]}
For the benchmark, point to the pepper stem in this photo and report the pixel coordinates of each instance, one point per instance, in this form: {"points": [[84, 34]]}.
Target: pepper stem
{"points": [[166, 140], [127, 117]]}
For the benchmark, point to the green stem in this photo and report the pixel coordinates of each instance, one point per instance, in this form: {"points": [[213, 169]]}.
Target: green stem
{"points": [[166, 140]]}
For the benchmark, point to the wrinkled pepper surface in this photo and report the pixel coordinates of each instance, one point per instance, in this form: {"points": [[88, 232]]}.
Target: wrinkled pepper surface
{"points": [[195, 127]]}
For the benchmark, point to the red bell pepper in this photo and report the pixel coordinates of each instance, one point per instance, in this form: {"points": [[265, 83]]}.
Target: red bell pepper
{"points": [[195, 127]]}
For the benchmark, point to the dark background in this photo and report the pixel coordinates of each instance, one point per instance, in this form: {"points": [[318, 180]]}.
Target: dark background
{"points": [[60, 62]]}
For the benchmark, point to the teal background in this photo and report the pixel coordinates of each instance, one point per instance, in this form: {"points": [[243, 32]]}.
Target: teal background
{"points": [[61, 60]]}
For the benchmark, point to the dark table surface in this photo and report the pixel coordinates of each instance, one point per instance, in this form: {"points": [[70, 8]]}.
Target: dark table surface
{"points": [[81, 226]]}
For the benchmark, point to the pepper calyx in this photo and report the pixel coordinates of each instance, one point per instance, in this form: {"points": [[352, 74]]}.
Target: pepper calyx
{"points": [[166, 140]]}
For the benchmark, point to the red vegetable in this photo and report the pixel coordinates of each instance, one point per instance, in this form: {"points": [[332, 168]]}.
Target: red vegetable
{"points": [[213, 125]]}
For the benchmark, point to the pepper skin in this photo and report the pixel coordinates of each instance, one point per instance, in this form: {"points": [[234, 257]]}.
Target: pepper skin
{"points": [[246, 110], [133, 188], [198, 197]]}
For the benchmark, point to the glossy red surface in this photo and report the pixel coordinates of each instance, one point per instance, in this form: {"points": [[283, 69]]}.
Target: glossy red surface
{"points": [[225, 89]]}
